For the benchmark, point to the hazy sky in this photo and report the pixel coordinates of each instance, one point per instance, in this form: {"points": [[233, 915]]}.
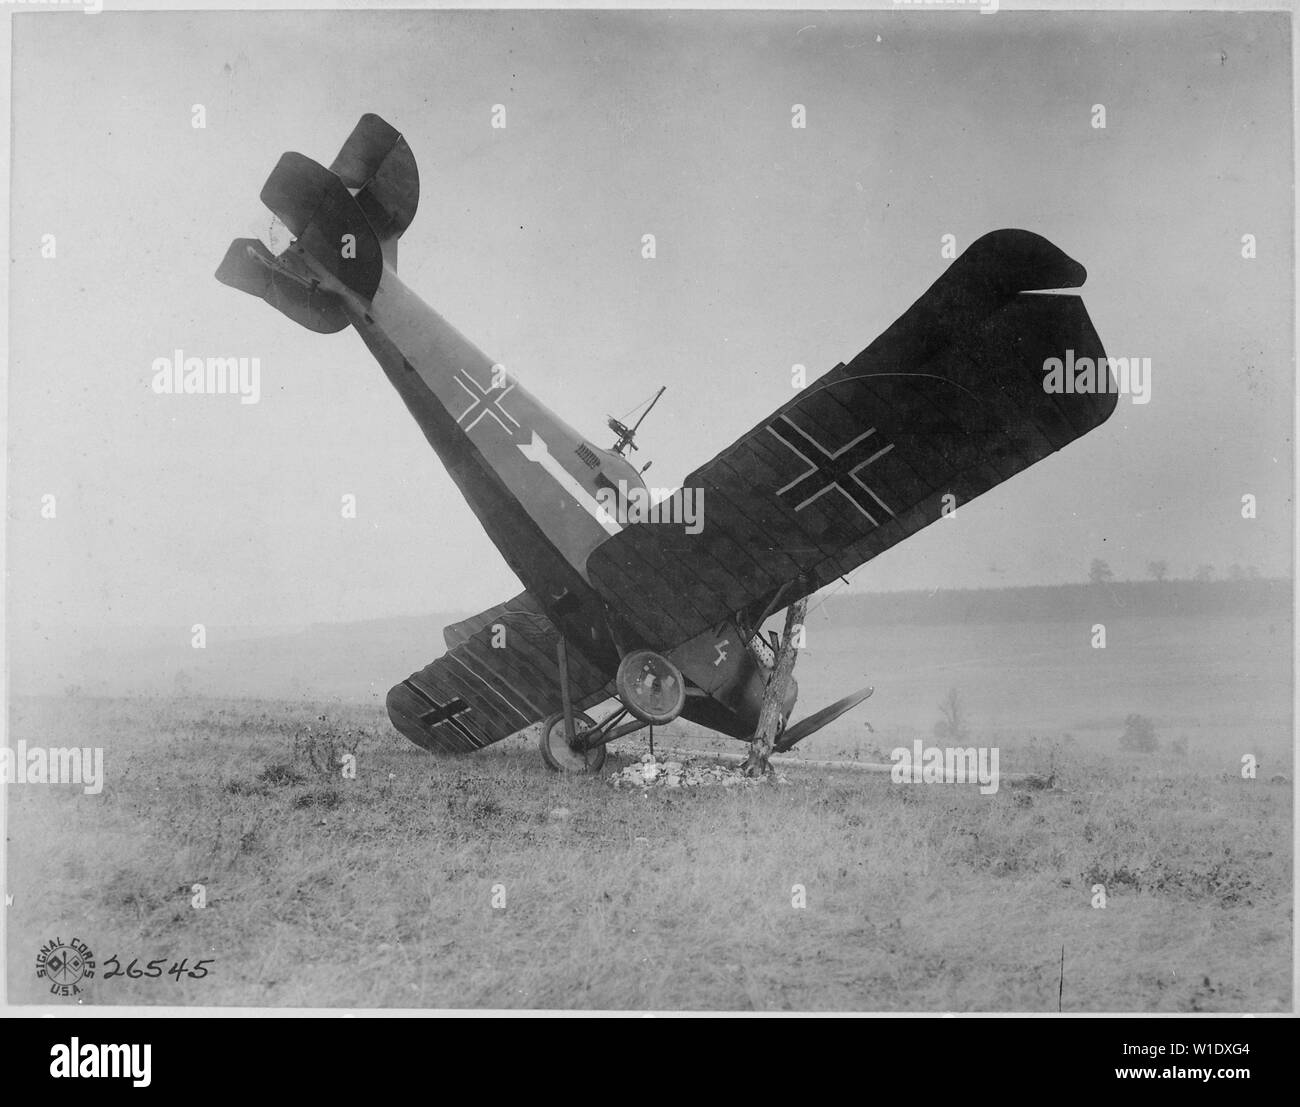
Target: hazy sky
{"points": [[775, 246]]}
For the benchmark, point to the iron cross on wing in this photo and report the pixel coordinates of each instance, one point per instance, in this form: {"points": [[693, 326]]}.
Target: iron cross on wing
{"points": [[831, 470], [442, 713]]}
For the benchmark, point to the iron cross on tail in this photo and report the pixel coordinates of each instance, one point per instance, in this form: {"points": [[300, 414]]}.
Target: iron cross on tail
{"points": [[657, 614]]}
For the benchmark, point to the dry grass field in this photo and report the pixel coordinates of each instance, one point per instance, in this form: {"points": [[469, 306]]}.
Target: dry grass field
{"points": [[379, 890]]}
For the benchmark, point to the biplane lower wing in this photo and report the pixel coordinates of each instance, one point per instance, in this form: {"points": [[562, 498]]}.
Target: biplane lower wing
{"points": [[499, 675], [948, 402]]}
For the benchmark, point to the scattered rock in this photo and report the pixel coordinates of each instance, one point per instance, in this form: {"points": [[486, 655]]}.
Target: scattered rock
{"points": [[648, 773]]}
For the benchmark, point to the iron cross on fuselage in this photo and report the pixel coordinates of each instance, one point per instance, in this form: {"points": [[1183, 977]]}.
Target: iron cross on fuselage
{"points": [[487, 401]]}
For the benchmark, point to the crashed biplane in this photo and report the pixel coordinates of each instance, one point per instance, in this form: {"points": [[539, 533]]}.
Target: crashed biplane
{"points": [[663, 616]]}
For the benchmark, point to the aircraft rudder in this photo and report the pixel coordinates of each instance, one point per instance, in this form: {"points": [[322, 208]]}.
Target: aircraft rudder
{"points": [[377, 162]]}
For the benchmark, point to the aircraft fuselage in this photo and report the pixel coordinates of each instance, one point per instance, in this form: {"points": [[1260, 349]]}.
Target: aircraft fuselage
{"points": [[534, 484]]}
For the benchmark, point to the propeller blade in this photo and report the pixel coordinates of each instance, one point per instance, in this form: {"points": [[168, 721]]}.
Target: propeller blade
{"points": [[816, 721]]}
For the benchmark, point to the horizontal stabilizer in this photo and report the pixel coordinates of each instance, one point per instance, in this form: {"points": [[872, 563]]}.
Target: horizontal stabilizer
{"points": [[326, 221], [250, 267], [345, 222]]}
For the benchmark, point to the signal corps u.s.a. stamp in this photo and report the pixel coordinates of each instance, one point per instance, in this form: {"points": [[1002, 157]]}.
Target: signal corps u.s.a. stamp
{"points": [[65, 965]]}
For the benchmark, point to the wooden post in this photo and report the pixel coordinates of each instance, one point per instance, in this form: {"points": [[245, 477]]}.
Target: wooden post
{"points": [[760, 750]]}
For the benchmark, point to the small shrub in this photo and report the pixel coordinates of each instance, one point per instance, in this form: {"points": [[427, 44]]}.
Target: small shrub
{"points": [[1139, 735], [320, 797], [281, 775], [319, 749], [953, 726]]}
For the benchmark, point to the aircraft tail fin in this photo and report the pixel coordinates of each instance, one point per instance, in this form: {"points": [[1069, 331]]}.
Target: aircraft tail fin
{"points": [[377, 162], [346, 219]]}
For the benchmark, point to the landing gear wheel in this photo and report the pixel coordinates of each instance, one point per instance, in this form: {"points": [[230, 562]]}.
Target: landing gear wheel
{"points": [[651, 687], [556, 752]]}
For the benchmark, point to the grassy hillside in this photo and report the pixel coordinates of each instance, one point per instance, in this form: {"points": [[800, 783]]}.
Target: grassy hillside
{"points": [[379, 890]]}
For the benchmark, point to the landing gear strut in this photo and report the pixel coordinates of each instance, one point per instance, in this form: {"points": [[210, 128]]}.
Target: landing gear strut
{"points": [[572, 742]]}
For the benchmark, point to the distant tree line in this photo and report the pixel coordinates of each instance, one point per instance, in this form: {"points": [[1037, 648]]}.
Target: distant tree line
{"points": [[1099, 572], [1090, 601]]}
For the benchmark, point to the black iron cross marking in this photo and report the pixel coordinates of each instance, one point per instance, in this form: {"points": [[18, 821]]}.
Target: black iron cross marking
{"points": [[443, 712], [831, 471]]}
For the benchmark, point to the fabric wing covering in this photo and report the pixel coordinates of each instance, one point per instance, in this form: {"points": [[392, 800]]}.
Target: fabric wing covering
{"points": [[477, 694], [949, 401]]}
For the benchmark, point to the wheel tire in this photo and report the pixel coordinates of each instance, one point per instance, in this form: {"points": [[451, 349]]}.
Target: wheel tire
{"points": [[651, 687], [555, 749]]}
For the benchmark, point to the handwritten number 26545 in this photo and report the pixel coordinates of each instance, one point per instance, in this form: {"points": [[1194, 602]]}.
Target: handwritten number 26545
{"points": [[155, 968]]}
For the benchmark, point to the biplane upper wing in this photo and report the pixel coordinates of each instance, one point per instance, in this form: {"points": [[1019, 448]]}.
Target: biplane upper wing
{"points": [[950, 400], [479, 692]]}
